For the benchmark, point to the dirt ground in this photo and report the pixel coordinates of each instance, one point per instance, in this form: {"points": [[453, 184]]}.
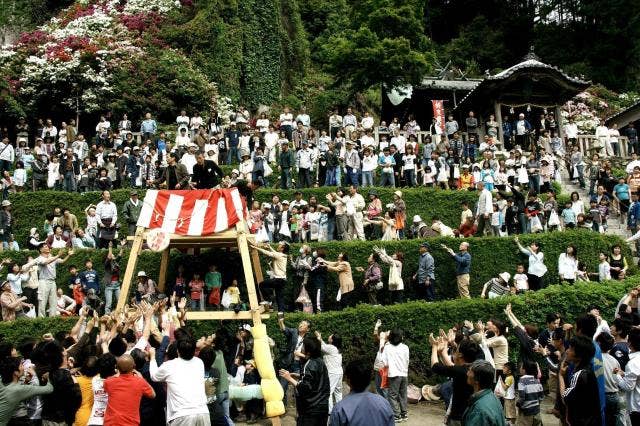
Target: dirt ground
{"points": [[420, 414]]}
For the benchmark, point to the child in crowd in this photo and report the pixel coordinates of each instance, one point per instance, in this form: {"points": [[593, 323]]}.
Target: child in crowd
{"points": [[234, 294], [75, 286], [604, 269], [497, 219], [582, 274], [196, 286], [179, 288], [603, 207], [83, 182], [92, 222], [596, 216], [530, 393], [521, 280], [509, 387], [19, 176], [213, 280]]}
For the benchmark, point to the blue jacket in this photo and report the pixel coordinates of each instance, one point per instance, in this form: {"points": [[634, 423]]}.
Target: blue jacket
{"points": [[463, 263]]}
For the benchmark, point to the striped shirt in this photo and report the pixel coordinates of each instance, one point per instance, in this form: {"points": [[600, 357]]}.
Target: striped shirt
{"points": [[530, 393]]}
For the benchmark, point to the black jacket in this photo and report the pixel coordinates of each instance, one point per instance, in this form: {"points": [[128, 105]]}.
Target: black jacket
{"points": [[207, 175], [312, 392]]}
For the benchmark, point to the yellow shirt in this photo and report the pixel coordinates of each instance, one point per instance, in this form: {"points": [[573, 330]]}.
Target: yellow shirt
{"points": [[234, 292], [84, 412]]}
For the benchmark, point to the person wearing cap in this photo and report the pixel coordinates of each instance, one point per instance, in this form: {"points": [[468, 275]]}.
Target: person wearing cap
{"points": [[6, 223], [425, 277], [463, 267], [497, 287], [146, 287], [352, 165], [131, 211], [419, 228], [286, 160]]}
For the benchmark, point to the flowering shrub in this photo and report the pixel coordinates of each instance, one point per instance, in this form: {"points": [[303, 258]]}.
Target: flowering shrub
{"points": [[595, 104], [73, 60]]}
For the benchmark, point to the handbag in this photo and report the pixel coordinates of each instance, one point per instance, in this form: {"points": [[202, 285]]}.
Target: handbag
{"points": [[554, 219], [226, 299], [536, 225], [339, 296], [498, 391], [267, 170], [303, 296]]}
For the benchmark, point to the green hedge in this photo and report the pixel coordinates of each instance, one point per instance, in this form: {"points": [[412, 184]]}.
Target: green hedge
{"points": [[417, 319], [490, 256]]}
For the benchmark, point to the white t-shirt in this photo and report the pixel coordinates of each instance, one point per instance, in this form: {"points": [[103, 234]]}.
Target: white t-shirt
{"points": [[100, 399], [397, 359], [185, 386], [522, 282]]}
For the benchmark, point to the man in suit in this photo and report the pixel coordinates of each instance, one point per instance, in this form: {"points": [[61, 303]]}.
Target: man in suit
{"points": [[206, 173], [484, 209], [175, 175]]}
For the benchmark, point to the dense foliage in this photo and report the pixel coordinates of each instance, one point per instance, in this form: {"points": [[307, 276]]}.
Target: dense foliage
{"points": [[417, 319]]}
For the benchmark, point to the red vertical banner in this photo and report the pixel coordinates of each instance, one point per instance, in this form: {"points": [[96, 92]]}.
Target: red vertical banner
{"points": [[438, 112]]}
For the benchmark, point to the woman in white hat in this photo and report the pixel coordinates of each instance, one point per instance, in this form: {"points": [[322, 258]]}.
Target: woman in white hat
{"points": [[497, 287]]}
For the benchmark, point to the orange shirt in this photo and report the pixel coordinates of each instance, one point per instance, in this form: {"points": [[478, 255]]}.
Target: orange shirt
{"points": [[125, 393]]}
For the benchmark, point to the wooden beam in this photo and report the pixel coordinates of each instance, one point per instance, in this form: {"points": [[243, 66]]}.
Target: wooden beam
{"points": [[243, 247], [498, 113], [257, 268], [164, 266], [131, 266], [224, 315]]}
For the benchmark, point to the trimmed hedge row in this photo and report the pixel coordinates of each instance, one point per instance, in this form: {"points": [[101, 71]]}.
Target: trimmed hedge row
{"points": [[30, 208], [417, 319], [490, 256]]}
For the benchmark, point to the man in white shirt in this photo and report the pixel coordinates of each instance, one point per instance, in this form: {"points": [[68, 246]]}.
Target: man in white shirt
{"points": [[183, 139], [107, 214], [571, 131], [182, 121], [367, 121], [7, 155], [354, 204], [484, 209], [184, 376], [602, 133], [399, 141], [271, 142], [632, 164], [335, 124], [349, 123], [303, 117], [189, 158], [49, 130], [195, 123], [614, 134], [368, 140], [80, 147], [304, 163], [629, 380]]}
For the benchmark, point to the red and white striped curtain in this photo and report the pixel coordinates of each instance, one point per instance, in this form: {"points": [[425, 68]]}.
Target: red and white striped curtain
{"points": [[192, 212]]}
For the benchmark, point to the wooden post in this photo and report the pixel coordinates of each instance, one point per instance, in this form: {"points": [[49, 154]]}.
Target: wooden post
{"points": [[497, 107], [164, 266], [257, 269], [243, 248], [131, 266], [559, 123]]}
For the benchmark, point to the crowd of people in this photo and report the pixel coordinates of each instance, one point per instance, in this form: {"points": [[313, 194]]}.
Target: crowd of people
{"points": [[285, 149], [144, 365]]}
